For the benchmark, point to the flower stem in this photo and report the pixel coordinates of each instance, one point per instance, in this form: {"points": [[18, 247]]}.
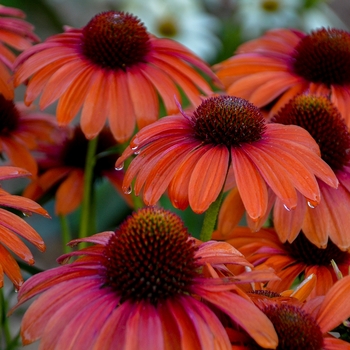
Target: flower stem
{"points": [[66, 235], [4, 324], [210, 218], [88, 179]]}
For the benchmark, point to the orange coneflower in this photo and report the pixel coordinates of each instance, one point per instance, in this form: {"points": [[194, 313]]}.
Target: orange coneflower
{"points": [[21, 130], [300, 258], [111, 68], [17, 34], [286, 62], [61, 169], [192, 154], [331, 218], [306, 325], [142, 286], [12, 225]]}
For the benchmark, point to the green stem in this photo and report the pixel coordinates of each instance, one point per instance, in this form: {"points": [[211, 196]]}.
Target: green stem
{"points": [[85, 218], [66, 234], [210, 218], [5, 327]]}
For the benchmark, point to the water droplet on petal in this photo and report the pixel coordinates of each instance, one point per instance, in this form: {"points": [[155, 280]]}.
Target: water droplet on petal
{"points": [[119, 167], [286, 207], [26, 214], [310, 205], [137, 152], [127, 190], [134, 148]]}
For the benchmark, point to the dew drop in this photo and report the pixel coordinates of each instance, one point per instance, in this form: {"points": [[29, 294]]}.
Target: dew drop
{"points": [[120, 167], [288, 209], [310, 205], [127, 190], [26, 214], [134, 148]]}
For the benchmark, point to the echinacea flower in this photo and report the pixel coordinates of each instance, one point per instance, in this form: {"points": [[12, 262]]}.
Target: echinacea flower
{"points": [[17, 34], [12, 226], [140, 287], [62, 165], [306, 325], [21, 130], [330, 219], [300, 258], [111, 68], [286, 62], [192, 154]]}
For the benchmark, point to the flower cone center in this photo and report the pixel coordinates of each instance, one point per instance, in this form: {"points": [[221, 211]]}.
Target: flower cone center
{"points": [[150, 257], [228, 120], [270, 5], [323, 57], [9, 116], [323, 121], [302, 250], [115, 40], [295, 328]]}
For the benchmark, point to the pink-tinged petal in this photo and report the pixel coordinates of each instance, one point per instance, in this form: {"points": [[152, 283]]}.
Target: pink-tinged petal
{"points": [[72, 99], [10, 267], [60, 81], [162, 170], [12, 242], [18, 225], [189, 89], [144, 98], [151, 156], [288, 223], [213, 252], [143, 328], [165, 87], [335, 307], [324, 274], [208, 178], [331, 219], [54, 321], [19, 155], [113, 333], [247, 316], [211, 333], [50, 278], [231, 213], [121, 111], [177, 123], [70, 193], [275, 175], [191, 74], [95, 107], [340, 96], [84, 327], [23, 204], [250, 184], [270, 90], [178, 187], [41, 60], [335, 344]]}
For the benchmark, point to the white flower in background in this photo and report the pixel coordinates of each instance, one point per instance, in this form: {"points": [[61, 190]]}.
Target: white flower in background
{"points": [[257, 16], [182, 20], [321, 16]]}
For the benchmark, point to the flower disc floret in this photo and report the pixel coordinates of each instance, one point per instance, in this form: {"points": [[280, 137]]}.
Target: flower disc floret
{"points": [[323, 57], [151, 257], [295, 328], [325, 124], [9, 116], [115, 40], [229, 121]]}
